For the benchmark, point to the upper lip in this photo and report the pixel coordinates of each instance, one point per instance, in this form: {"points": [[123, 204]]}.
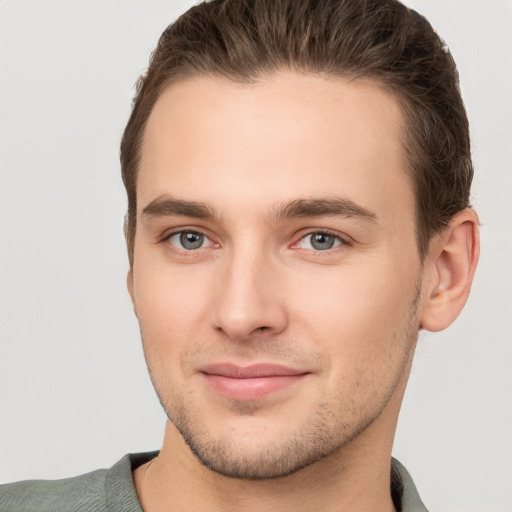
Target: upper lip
{"points": [[252, 371]]}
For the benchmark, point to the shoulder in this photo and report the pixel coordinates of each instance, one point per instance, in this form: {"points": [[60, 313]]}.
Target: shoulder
{"points": [[403, 491], [80, 493], [98, 491]]}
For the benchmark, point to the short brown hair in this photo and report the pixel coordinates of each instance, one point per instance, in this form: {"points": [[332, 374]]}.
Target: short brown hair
{"points": [[380, 40]]}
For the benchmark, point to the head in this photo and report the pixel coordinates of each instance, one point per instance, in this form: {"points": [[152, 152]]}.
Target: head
{"points": [[298, 176]]}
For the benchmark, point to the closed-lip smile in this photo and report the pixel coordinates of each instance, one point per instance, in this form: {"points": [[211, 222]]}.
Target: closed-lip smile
{"points": [[250, 382]]}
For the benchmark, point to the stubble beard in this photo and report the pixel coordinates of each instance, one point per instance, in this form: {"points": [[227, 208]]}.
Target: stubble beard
{"points": [[325, 431], [307, 444]]}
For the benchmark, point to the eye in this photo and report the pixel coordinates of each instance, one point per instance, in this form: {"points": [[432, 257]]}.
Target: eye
{"points": [[319, 241], [189, 240]]}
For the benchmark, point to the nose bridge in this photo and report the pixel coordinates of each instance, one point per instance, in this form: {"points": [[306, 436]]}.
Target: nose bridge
{"points": [[248, 298]]}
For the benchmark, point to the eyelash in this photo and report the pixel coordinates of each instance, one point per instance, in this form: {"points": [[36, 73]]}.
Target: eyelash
{"points": [[344, 241], [182, 251]]}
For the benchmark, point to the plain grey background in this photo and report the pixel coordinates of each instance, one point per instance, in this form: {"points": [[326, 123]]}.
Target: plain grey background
{"points": [[74, 392]]}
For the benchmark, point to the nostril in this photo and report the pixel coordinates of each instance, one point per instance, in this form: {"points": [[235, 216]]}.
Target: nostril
{"points": [[262, 329]]}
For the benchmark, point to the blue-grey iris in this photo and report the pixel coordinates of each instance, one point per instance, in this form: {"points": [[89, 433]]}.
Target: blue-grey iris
{"points": [[322, 241], [190, 240]]}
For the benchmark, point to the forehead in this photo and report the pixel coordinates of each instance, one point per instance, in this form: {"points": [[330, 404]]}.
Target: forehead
{"points": [[286, 136]]}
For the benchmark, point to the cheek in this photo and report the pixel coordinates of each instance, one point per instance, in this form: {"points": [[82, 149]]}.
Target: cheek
{"points": [[359, 317], [171, 307]]}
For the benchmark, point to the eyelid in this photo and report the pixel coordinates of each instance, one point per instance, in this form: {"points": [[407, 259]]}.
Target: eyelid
{"points": [[183, 229], [344, 239], [168, 234]]}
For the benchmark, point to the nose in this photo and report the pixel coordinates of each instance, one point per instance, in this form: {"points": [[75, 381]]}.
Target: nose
{"points": [[249, 301]]}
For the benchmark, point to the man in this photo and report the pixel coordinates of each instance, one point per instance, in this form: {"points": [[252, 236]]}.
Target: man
{"points": [[298, 179]]}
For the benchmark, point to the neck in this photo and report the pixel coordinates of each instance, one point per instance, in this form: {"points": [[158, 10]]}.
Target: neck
{"points": [[355, 478], [348, 481]]}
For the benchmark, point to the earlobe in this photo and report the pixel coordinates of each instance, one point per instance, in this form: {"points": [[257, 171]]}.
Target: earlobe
{"points": [[453, 257]]}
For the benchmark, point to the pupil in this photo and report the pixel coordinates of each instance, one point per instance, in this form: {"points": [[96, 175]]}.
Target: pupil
{"points": [[322, 241], [191, 240]]}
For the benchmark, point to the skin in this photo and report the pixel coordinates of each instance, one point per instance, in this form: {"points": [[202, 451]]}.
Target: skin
{"points": [[258, 291]]}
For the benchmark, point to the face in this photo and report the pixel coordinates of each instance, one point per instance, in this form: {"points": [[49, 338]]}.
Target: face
{"points": [[276, 275]]}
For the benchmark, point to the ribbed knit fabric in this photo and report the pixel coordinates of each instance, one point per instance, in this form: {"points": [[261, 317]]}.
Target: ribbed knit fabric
{"points": [[103, 490], [112, 490], [402, 485]]}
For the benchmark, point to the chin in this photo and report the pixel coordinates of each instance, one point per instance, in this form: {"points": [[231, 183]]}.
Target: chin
{"points": [[252, 448]]}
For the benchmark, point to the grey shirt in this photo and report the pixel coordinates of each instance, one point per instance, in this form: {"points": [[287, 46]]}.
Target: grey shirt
{"points": [[109, 490]]}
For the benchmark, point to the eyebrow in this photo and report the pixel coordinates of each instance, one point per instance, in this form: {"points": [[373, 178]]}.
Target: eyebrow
{"points": [[166, 206], [323, 208]]}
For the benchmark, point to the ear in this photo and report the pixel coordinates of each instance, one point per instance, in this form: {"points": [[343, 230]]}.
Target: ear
{"points": [[452, 260], [129, 285]]}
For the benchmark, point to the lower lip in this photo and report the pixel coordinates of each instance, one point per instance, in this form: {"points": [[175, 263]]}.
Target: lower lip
{"points": [[251, 388]]}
